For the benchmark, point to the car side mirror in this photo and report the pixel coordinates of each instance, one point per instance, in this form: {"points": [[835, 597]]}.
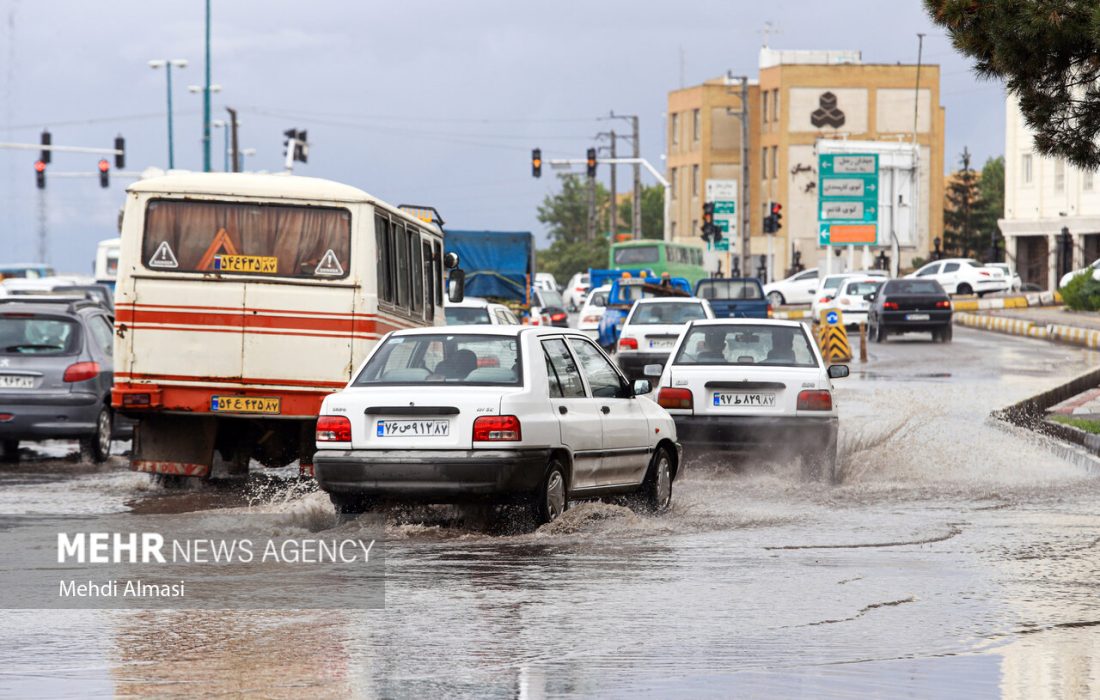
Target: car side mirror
{"points": [[869, 297], [456, 285], [641, 387], [653, 370], [838, 371]]}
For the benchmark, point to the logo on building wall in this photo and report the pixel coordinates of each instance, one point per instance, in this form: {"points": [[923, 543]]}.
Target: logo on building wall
{"points": [[827, 113]]}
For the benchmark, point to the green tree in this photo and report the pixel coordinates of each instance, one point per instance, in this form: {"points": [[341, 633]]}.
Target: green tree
{"points": [[959, 236], [990, 207], [653, 212], [1048, 54], [566, 215]]}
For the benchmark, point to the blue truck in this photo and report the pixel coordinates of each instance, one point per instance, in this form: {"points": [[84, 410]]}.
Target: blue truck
{"points": [[734, 297], [627, 290], [499, 265]]}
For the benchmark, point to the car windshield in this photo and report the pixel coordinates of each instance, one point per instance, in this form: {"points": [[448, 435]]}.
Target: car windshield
{"points": [[912, 287], [444, 359], [637, 254], [858, 289], [769, 345], [666, 313], [28, 334], [466, 315], [551, 298], [831, 283], [729, 289]]}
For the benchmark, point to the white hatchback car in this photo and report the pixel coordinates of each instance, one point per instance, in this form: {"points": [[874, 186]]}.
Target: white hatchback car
{"points": [[477, 311], [588, 321], [575, 289], [502, 414], [652, 329], [753, 386]]}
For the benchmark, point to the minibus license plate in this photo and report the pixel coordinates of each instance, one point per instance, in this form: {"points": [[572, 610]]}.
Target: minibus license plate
{"points": [[245, 404], [413, 428], [721, 399], [16, 381], [916, 317]]}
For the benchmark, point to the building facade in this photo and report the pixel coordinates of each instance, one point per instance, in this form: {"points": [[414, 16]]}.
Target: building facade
{"points": [[1042, 197], [798, 98]]}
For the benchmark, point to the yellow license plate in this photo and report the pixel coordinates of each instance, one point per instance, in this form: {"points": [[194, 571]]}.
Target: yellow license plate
{"points": [[245, 404], [247, 263]]}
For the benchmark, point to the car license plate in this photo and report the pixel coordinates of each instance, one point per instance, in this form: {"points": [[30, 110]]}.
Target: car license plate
{"points": [[663, 344], [411, 428], [16, 381], [245, 404], [765, 400], [916, 317]]}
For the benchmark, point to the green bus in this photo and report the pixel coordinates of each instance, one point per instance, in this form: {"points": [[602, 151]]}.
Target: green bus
{"points": [[677, 259]]}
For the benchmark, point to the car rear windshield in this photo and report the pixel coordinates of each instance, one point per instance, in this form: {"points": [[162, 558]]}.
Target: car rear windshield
{"points": [[668, 313], [782, 346], [858, 289], [29, 334], [912, 287], [831, 283], [598, 299], [444, 359], [466, 315], [637, 254], [551, 298], [729, 289], [241, 238]]}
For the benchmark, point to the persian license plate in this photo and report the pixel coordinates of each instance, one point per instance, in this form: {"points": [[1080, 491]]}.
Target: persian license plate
{"points": [[245, 404], [413, 428], [916, 317], [16, 381], [740, 399], [247, 263], [662, 343]]}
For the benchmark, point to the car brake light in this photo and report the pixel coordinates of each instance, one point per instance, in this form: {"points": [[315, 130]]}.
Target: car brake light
{"points": [[81, 372], [590, 319], [771, 314], [983, 273], [824, 300], [7, 417], [890, 305], [943, 304], [628, 343], [558, 317], [670, 397], [333, 429], [497, 428], [815, 400]]}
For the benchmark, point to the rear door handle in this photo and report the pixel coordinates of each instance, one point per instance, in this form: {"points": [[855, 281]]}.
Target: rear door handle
{"points": [[563, 410], [605, 409]]}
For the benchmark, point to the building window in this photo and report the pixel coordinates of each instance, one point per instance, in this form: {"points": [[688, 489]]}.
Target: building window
{"points": [[764, 163], [696, 124], [694, 226], [695, 181], [1025, 168], [764, 107], [672, 182], [673, 230], [775, 104], [775, 161], [1059, 176], [675, 129], [1086, 179]]}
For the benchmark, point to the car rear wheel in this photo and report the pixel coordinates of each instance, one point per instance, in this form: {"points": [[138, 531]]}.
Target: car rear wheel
{"points": [[351, 503], [775, 299], [942, 335], [97, 448], [964, 288], [820, 465], [552, 497], [657, 487], [9, 450]]}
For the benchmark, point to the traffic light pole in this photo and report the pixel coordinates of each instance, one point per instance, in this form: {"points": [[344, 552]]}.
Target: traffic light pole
{"points": [[636, 162], [61, 149]]}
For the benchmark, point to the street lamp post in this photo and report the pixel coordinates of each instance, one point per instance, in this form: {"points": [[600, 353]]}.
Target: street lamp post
{"points": [[167, 65], [222, 124], [206, 99]]}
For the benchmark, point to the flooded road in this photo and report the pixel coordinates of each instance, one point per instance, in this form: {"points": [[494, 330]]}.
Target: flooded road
{"points": [[956, 558]]}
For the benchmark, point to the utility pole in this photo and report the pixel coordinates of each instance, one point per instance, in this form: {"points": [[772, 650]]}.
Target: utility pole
{"points": [[206, 101], [42, 227], [233, 136], [636, 223], [591, 226], [743, 115], [613, 217]]}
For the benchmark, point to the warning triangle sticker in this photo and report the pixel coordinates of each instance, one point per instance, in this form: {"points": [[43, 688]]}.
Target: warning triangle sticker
{"points": [[221, 245], [164, 257], [329, 265]]}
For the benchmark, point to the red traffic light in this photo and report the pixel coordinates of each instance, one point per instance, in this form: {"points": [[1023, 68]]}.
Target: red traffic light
{"points": [[104, 166], [776, 207], [39, 166]]}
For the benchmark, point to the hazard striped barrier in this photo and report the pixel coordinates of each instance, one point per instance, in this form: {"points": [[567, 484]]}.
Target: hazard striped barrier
{"points": [[791, 314], [1019, 301], [832, 338], [1074, 335]]}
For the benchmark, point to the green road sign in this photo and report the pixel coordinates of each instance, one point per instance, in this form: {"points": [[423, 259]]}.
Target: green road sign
{"points": [[847, 198], [725, 207], [723, 245]]}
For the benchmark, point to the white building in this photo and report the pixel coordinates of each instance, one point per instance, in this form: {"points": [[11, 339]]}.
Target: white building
{"points": [[1043, 196]]}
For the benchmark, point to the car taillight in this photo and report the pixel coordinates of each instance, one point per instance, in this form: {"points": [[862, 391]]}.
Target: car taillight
{"points": [[558, 317], [815, 400], [824, 300], [771, 313], [670, 397], [943, 304], [333, 429], [890, 305], [628, 343], [496, 428], [81, 372], [590, 319], [983, 273]]}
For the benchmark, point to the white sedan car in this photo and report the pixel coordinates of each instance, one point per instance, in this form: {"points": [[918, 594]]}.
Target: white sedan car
{"points": [[964, 276], [1094, 268], [799, 288], [851, 299], [652, 328], [753, 386], [477, 311], [533, 415], [575, 290], [588, 321]]}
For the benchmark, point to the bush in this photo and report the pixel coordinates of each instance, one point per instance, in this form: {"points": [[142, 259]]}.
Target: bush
{"points": [[1082, 293]]}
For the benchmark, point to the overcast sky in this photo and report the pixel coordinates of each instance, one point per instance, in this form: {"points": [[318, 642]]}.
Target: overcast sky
{"points": [[424, 102]]}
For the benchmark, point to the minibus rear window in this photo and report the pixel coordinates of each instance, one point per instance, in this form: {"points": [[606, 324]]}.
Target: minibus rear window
{"points": [[265, 240]]}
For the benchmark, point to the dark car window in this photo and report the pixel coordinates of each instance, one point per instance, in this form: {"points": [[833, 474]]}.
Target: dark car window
{"points": [[444, 359], [565, 378], [950, 267], [910, 286], [729, 289], [602, 377], [666, 313], [466, 315], [103, 333], [32, 334]]}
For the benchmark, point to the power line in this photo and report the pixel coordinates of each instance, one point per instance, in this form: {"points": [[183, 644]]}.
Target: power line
{"points": [[418, 118], [94, 120]]}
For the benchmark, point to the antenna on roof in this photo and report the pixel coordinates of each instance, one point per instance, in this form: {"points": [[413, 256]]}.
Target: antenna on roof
{"points": [[770, 29]]}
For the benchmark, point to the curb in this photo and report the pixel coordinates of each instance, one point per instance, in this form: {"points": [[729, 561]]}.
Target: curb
{"points": [[1073, 335], [1020, 301], [1031, 414]]}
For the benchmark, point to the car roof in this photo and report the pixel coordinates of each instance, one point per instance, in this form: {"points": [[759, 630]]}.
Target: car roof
{"points": [[746, 322], [57, 306], [468, 302], [677, 300], [487, 329]]}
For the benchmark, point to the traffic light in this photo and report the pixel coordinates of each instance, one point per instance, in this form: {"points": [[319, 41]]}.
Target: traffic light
{"points": [[590, 159], [769, 221], [536, 162], [44, 154], [777, 217], [301, 147], [104, 173], [40, 173], [120, 157], [708, 221], [288, 143]]}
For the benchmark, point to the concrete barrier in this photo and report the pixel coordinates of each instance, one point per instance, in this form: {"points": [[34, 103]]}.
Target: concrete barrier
{"points": [[791, 314], [1018, 301], [1073, 335]]}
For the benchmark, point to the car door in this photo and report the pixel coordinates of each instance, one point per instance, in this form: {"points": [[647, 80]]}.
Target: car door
{"points": [[578, 414], [625, 429], [101, 348], [803, 287], [949, 277]]}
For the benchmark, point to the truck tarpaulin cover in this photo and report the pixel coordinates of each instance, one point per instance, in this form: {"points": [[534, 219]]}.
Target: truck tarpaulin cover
{"points": [[498, 264]]}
